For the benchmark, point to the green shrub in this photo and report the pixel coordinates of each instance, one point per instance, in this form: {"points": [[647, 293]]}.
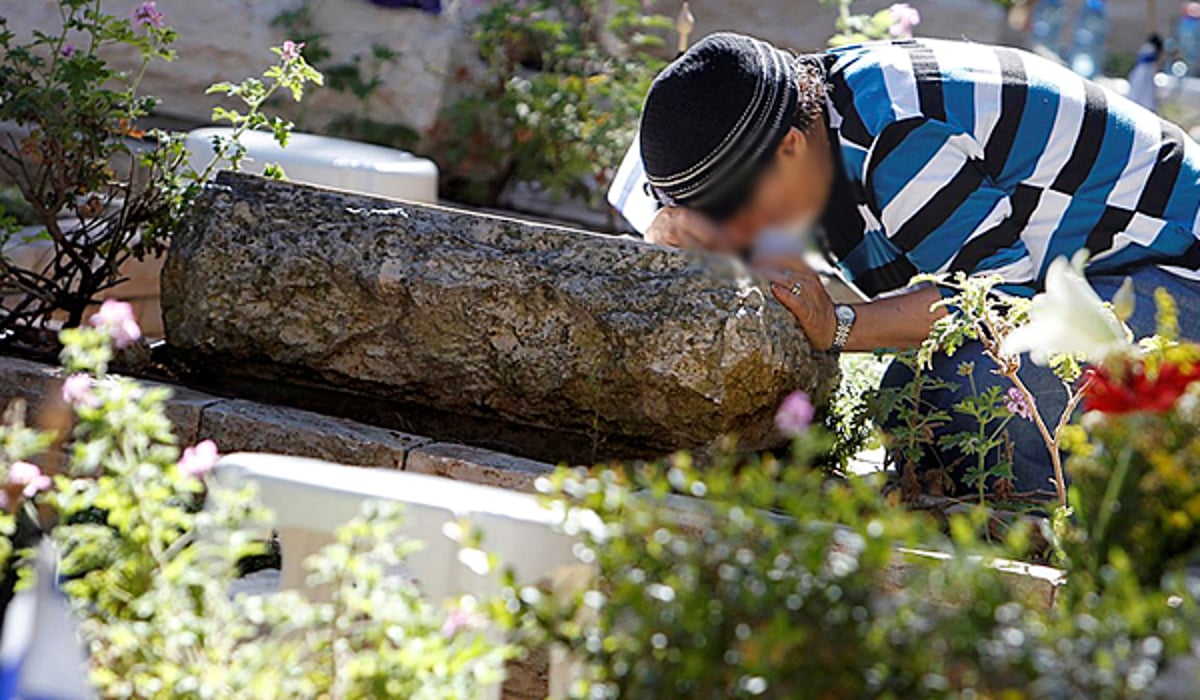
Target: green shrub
{"points": [[148, 556], [1146, 484], [555, 106], [103, 189], [770, 581]]}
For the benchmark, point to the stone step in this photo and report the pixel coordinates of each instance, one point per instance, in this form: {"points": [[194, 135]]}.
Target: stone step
{"points": [[238, 425]]}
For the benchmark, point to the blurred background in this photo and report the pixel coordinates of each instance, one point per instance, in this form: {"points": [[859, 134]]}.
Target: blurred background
{"points": [[528, 105]]}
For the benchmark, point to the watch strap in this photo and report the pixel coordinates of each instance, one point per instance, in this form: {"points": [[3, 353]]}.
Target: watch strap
{"points": [[845, 323]]}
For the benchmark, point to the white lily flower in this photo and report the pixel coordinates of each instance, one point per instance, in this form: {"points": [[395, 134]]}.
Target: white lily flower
{"points": [[1069, 318]]}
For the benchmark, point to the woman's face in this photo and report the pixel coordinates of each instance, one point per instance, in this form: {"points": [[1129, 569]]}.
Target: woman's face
{"points": [[791, 193]]}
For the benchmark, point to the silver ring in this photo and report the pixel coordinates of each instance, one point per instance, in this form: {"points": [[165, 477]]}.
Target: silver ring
{"points": [[796, 288]]}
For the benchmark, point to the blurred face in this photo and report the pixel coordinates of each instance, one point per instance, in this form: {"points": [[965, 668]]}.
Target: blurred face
{"points": [[791, 193]]}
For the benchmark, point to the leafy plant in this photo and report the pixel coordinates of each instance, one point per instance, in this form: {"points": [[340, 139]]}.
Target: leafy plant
{"points": [[360, 76], [761, 578], [894, 22], [555, 106], [975, 313], [990, 413], [911, 420], [102, 189], [148, 555], [291, 75], [850, 418]]}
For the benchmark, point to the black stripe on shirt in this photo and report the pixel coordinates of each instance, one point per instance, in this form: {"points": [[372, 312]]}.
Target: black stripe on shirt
{"points": [[1113, 221], [940, 207], [1014, 91], [885, 278], [1161, 182], [1087, 142], [852, 128], [887, 141], [929, 80], [1024, 201], [1190, 258]]}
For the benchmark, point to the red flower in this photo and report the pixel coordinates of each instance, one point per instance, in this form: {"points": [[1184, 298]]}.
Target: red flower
{"points": [[1133, 390]]}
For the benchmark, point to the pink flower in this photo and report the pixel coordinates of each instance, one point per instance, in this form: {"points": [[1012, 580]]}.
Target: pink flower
{"points": [[67, 51], [117, 319], [147, 15], [77, 391], [795, 414], [199, 459], [290, 51], [904, 18], [29, 476], [460, 619], [1017, 404]]}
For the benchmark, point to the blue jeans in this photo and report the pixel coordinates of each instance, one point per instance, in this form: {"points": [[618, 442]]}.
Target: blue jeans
{"points": [[1032, 468]]}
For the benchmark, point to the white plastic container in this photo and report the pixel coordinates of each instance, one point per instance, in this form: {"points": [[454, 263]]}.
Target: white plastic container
{"points": [[323, 160]]}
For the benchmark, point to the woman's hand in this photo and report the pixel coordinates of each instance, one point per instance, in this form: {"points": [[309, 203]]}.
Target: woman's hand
{"points": [[800, 290], [677, 227]]}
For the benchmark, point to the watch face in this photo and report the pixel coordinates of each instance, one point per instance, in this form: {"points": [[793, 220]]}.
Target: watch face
{"points": [[845, 314]]}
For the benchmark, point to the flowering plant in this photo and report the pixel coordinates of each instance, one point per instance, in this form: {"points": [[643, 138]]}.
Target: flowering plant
{"points": [[761, 578], [148, 554], [894, 22], [1129, 427], [1134, 456], [102, 189], [1139, 385], [1064, 327]]}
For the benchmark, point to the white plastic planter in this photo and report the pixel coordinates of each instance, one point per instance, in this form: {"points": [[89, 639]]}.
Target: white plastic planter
{"points": [[323, 160], [310, 499]]}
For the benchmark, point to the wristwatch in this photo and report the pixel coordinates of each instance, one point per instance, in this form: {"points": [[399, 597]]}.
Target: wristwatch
{"points": [[845, 315]]}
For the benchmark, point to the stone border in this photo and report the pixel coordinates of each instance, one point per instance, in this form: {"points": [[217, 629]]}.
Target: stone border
{"points": [[477, 465], [238, 425]]}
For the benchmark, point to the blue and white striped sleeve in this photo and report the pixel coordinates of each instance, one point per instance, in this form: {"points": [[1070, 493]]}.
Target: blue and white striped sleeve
{"points": [[928, 184], [629, 193]]}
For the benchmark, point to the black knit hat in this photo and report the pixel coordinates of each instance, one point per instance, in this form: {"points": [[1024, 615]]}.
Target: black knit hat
{"points": [[713, 119]]}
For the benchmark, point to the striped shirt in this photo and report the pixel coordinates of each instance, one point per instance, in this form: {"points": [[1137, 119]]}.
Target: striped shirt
{"points": [[988, 160]]}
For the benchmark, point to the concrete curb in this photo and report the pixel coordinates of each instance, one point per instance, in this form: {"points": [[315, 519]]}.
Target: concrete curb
{"points": [[237, 425]]}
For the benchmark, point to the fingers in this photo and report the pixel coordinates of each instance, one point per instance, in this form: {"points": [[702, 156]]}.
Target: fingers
{"points": [[802, 283], [790, 302], [783, 279], [805, 297], [793, 292], [683, 228]]}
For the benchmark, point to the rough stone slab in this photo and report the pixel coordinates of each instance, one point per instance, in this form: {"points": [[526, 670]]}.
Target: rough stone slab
{"points": [[28, 380], [238, 425], [476, 465], [39, 385], [482, 316], [184, 409], [246, 426]]}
